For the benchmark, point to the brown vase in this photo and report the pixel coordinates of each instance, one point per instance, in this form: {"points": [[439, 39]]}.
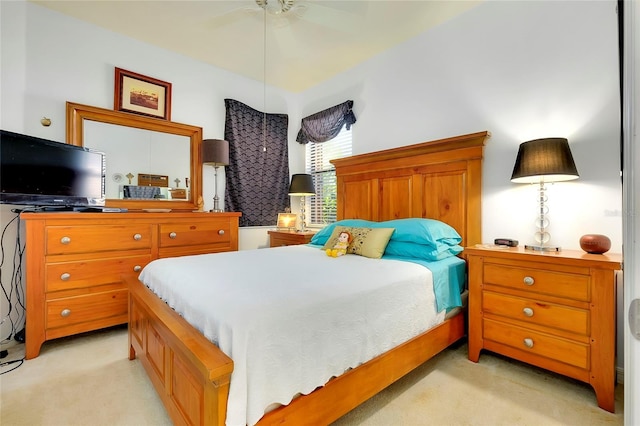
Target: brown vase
{"points": [[595, 243]]}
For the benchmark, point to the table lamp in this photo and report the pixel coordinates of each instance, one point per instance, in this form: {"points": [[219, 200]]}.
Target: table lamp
{"points": [[215, 152], [540, 161], [302, 185]]}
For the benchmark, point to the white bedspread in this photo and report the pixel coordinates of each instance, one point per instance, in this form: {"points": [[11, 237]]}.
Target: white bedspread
{"points": [[292, 317]]}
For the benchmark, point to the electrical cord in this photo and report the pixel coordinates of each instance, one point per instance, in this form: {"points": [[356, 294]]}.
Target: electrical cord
{"points": [[4, 364], [15, 290]]}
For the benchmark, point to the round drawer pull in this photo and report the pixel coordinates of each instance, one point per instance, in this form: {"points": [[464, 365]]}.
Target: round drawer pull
{"points": [[65, 240], [65, 276], [221, 232], [137, 237], [528, 280], [173, 235], [137, 268], [528, 342], [527, 312], [65, 313]]}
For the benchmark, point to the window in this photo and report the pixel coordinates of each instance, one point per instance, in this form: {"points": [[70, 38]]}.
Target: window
{"points": [[322, 207]]}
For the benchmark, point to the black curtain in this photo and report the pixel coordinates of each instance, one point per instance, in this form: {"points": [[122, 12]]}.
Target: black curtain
{"points": [[325, 125], [257, 178]]}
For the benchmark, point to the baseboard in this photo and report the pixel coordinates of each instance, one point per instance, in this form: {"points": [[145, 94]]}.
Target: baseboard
{"points": [[620, 375]]}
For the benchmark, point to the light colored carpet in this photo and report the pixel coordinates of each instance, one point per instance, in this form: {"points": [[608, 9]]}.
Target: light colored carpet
{"points": [[88, 380]]}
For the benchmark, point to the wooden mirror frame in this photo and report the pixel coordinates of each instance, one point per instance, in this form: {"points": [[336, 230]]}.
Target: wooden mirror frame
{"points": [[77, 114]]}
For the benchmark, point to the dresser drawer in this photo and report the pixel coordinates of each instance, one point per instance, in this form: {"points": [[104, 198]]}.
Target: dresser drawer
{"points": [[563, 350], [79, 274], [186, 234], [85, 308], [559, 284], [96, 238], [551, 315]]}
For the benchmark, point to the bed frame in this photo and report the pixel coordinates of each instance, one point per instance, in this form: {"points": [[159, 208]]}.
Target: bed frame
{"points": [[441, 179]]}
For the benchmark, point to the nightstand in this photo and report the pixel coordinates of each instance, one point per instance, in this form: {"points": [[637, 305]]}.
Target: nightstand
{"points": [[553, 310], [289, 238]]}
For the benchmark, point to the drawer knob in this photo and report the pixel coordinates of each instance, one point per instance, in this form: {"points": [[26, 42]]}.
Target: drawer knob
{"points": [[137, 237], [65, 313], [221, 232], [65, 240], [173, 235], [527, 312], [65, 276], [528, 342], [137, 268], [528, 280]]}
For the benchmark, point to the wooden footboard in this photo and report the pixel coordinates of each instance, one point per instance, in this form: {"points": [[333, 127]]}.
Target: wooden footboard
{"points": [[192, 375]]}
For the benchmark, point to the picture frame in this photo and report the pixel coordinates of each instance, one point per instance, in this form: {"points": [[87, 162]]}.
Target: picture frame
{"points": [[287, 221], [140, 94]]}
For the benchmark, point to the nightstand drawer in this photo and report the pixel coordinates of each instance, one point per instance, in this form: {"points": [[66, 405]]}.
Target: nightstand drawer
{"points": [[289, 238], [563, 350], [544, 314], [559, 284]]}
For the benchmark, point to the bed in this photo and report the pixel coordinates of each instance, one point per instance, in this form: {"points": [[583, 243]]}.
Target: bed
{"points": [[438, 180]]}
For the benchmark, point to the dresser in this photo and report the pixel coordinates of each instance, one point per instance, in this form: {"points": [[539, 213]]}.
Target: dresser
{"points": [[75, 263], [289, 238], [553, 310]]}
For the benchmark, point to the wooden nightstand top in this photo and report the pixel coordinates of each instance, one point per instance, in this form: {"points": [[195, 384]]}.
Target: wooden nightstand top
{"points": [[606, 260]]}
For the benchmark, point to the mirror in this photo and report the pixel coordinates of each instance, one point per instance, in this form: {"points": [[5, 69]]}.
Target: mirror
{"points": [[156, 156]]}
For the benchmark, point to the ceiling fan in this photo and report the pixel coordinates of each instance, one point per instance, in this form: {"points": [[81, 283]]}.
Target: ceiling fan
{"points": [[277, 7], [282, 13]]}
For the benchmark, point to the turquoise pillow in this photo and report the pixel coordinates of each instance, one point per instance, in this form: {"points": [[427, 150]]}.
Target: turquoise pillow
{"points": [[421, 251], [411, 230], [423, 231]]}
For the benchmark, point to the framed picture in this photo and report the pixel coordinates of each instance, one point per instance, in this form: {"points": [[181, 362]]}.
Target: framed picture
{"points": [[286, 221], [142, 95]]}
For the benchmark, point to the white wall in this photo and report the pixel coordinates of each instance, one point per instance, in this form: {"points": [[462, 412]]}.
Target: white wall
{"points": [[48, 58], [520, 70]]}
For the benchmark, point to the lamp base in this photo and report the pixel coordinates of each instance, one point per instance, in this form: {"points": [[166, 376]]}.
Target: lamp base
{"points": [[541, 248]]}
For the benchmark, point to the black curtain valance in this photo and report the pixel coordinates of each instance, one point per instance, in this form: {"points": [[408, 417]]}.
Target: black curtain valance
{"points": [[325, 125]]}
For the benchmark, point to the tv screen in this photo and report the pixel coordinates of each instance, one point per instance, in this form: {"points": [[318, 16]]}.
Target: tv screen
{"points": [[40, 172]]}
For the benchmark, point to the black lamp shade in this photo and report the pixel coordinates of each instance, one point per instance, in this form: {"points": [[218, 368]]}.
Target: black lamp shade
{"points": [[301, 184], [544, 160], [215, 152]]}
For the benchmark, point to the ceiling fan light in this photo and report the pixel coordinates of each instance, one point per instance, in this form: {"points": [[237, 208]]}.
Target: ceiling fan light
{"points": [[276, 7]]}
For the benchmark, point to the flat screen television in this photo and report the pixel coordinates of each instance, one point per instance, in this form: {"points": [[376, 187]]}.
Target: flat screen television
{"points": [[41, 172]]}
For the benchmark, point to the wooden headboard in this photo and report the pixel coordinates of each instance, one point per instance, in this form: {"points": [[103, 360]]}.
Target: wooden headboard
{"points": [[441, 179]]}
